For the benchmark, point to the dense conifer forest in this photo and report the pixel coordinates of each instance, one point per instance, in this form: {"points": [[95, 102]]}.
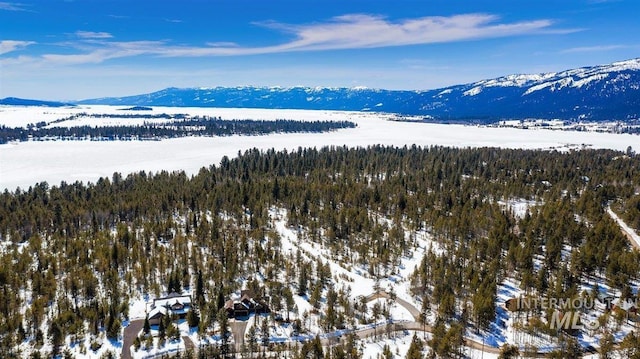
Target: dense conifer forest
{"points": [[174, 125], [72, 255]]}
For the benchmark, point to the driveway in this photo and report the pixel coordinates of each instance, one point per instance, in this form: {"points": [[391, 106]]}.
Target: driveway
{"points": [[238, 328], [130, 334]]}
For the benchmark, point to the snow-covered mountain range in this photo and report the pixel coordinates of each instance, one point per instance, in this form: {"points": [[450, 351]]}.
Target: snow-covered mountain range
{"points": [[13, 101], [605, 92]]}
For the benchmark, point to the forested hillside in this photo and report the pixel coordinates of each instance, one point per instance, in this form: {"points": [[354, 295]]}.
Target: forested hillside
{"points": [[73, 255]]}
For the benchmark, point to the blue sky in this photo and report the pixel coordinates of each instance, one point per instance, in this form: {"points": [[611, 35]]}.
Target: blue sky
{"points": [[77, 49]]}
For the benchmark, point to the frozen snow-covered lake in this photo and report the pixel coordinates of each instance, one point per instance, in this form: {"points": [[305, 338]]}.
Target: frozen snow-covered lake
{"points": [[26, 163]]}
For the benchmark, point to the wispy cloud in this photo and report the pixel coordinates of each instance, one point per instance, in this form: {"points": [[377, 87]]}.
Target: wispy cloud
{"points": [[93, 35], [13, 45], [367, 31], [359, 31], [108, 50], [352, 31], [598, 48], [12, 6]]}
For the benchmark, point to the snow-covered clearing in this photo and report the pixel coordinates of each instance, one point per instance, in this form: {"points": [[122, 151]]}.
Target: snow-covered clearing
{"points": [[396, 311], [519, 206], [26, 163], [400, 342], [356, 278]]}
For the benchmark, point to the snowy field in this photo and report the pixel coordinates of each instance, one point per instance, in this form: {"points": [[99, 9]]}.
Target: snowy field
{"points": [[23, 164], [26, 163]]}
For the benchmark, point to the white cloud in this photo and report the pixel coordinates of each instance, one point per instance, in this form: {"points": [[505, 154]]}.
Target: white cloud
{"points": [[222, 44], [8, 6], [598, 48], [108, 50], [351, 31], [358, 31], [13, 45], [366, 31], [93, 35]]}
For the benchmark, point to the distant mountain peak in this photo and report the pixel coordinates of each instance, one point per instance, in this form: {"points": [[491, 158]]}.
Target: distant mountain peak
{"points": [[603, 92]]}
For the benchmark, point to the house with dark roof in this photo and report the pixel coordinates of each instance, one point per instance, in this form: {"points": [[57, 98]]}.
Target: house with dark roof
{"points": [[246, 305], [173, 304]]}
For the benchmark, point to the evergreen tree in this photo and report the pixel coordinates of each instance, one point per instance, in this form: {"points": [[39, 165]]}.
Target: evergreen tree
{"points": [[146, 328], [193, 319], [223, 323], [302, 279], [199, 289], [415, 349]]}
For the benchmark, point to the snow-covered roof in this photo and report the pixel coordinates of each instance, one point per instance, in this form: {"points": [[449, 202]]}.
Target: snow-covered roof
{"points": [[625, 304], [157, 310], [171, 300]]}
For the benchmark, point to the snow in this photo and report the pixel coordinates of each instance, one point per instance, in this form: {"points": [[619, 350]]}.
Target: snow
{"points": [[182, 299], [504, 328], [538, 87], [586, 80], [564, 82], [519, 80], [361, 285], [396, 311], [399, 345], [26, 163], [554, 81], [631, 234], [518, 206], [474, 91], [170, 347], [357, 278], [19, 116], [633, 64]]}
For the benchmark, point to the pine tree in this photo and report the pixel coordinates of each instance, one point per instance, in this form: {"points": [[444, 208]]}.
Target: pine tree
{"points": [[386, 352], [146, 329], [509, 352], [193, 319], [252, 339], [162, 330], [302, 279], [630, 346], [264, 331], [415, 349], [221, 298], [223, 323], [199, 289], [606, 346]]}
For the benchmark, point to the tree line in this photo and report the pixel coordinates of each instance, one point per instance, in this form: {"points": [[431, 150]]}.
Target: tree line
{"points": [[176, 126], [73, 255]]}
